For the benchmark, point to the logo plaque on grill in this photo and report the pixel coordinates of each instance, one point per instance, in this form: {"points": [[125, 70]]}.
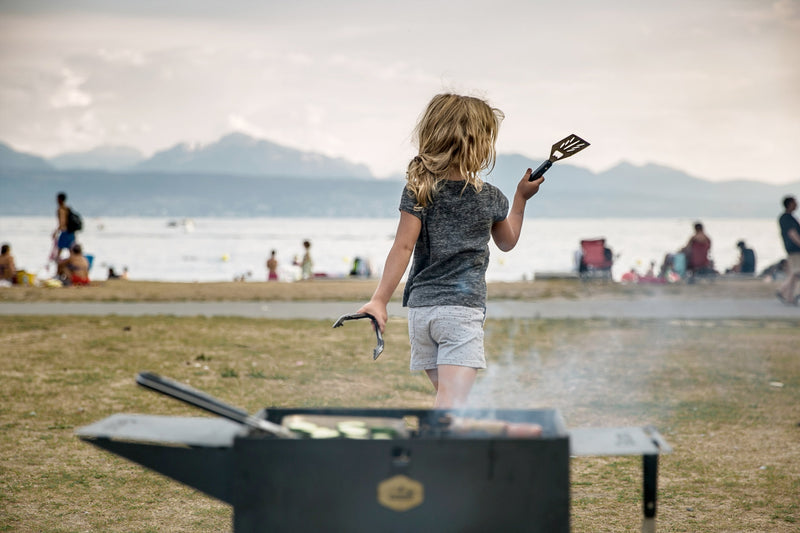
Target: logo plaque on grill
{"points": [[400, 493]]}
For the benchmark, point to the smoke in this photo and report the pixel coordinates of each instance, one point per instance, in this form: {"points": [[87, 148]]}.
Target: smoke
{"points": [[595, 372]]}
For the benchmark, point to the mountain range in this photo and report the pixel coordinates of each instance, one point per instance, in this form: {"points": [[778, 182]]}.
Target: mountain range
{"points": [[242, 176], [235, 154]]}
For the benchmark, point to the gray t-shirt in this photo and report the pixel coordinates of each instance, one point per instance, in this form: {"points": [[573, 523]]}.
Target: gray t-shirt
{"points": [[452, 252]]}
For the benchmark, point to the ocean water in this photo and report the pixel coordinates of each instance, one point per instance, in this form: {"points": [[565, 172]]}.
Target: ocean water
{"points": [[221, 249]]}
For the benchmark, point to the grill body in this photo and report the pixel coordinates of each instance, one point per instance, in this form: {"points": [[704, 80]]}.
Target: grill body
{"points": [[427, 483], [430, 481]]}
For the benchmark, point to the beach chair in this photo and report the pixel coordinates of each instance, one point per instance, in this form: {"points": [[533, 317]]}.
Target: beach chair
{"points": [[596, 259]]}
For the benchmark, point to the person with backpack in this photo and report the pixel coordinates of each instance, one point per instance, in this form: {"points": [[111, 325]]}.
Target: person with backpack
{"points": [[69, 222]]}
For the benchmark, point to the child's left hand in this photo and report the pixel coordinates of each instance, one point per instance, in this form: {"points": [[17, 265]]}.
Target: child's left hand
{"points": [[526, 189]]}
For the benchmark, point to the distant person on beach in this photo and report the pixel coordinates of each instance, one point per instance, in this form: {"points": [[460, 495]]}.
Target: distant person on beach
{"points": [[747, 260], [113, 274], [361, 268], [272, 266], [244, 276], [66, 238], [666, 265], [790, 232], [447, 216], [775, 271], [650, 275], [8, 270], [667, 271], [696, 252], [74, 270], [630, 276], [307, 266]]}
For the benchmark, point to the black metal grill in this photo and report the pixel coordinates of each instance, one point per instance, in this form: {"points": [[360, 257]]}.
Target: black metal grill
{"points": [[424, 478]]}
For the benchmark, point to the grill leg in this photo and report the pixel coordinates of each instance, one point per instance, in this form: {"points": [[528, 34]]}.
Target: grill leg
{"points": [[650, 476]]}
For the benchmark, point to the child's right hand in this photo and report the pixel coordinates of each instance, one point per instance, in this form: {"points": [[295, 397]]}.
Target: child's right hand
{"points": [[377, 310]]}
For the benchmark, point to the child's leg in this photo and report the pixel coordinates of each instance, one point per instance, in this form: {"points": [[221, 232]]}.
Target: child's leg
{"points": [[433, 375], [452, 384]]}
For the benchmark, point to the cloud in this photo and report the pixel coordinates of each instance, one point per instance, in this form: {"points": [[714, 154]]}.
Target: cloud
{"points": [[125, 56], [241, 124], [646, 81], [788, 12], [70, 94]]}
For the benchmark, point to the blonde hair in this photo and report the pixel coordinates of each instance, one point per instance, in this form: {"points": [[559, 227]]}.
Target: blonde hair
{"points": [[455, 133]]}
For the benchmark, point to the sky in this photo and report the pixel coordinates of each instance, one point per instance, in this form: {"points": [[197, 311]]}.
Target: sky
{"points": [[711, 87]]}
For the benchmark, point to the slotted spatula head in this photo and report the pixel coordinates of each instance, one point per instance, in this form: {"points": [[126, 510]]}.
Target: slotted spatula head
{"points": [[569, 145]]}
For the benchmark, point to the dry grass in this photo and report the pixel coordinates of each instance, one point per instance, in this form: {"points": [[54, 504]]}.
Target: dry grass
{"points": [[706, 385]]}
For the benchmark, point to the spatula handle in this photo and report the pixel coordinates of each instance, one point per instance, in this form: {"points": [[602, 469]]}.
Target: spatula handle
{"points": [[541, 170]]}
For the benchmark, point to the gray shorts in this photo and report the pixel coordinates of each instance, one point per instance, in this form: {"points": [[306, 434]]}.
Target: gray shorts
{"points": [[446, 335]]}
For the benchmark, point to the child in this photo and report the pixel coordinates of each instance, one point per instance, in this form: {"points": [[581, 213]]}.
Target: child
{"points": [[447, 214]]}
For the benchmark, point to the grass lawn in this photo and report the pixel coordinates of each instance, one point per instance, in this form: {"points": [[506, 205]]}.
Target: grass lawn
{"points": [[725, 395]]}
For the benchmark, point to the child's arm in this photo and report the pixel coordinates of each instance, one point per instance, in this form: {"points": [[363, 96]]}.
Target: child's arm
{"points": [[396, 262], [506, 232]]}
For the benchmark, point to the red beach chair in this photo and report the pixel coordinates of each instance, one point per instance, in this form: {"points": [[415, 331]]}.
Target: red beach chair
{"points": [[596, 259]]}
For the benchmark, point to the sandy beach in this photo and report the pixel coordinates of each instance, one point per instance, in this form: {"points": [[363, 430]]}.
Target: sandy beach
{"points": [[361, 290]]}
